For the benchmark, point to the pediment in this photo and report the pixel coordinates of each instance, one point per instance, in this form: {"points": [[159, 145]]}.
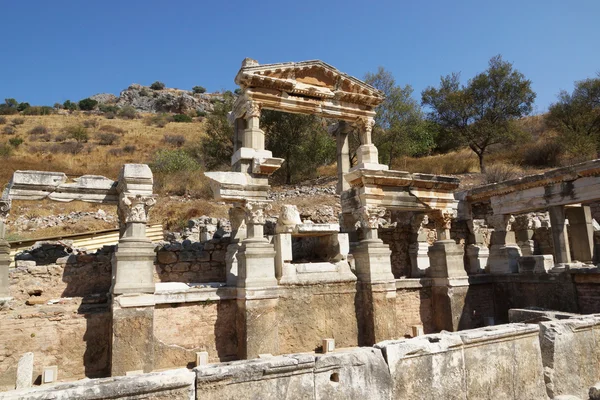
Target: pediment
{"points": [[313, 78]]}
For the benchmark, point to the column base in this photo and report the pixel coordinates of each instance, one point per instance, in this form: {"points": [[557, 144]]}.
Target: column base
{"points": [[419, 259], [446, 259], [477, 258], [377, 313], [256, 264], [257, 326], [133, 266], [373, 262], [504, 258]]}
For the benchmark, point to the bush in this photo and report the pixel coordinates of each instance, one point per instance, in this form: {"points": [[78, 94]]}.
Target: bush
{"points": [[110, 115], [90, 123], [546, 153], [201, 114], [107, 139], [39, 130], [130, 148], [87, 104], [3, 120], [111, 129], [78, 133], [170, 161], [69, 105], [5, 150], [199, 89], [8, 110], [18, 121], [128, 112], [182, 118], [56, 148], [44, 138], [159, 120], [15, 142], [115, 152], [174, 140], [157, 86], [61, 137], [38, 110], [500, 172], [9, 130], [23, 106], [108, 108]]}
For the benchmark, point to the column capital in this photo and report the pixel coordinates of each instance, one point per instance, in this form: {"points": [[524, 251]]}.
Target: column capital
{"points": [[443, 221], [136, 207], [501, 222], [369, 216], [418, 222], [252, 109], [5, 205], [365, 124], [255, 211]]}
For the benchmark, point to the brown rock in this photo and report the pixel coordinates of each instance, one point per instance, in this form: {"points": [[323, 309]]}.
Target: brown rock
{"points": [[167, 257]]}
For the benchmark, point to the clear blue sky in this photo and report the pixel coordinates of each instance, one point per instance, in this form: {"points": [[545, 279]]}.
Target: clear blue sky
{"points": [[57, 50]]}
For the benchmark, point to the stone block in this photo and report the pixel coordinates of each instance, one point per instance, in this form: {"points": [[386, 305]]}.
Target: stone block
{"points": [[181, 267], [166, 257], [25, 371], [328, 345], [50, 374], [538, 264]]}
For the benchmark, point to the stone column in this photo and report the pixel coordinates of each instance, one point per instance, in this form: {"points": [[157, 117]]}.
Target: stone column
{"points": [[504, 251], [257, 296], [238, 233], [477, 253], [251, 138], [524, 229], [133, 275], [4, 250], [343, 156], [560, 236], [366, 154], [581, 233], [419, 247], [376, 283]]}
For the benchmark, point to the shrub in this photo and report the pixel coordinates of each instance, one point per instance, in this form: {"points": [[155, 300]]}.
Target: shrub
{"points": [[15, 142], [128, 112], [5, 150], [199, 89], [107, 139], [3, 120], [110, 115], [69, 105], [108, 108], [39, 130], [174, 140], [78, 133], [111, 129], [58, 106], [18, 121], [68, 148], [61, 137], [182, 118], [115, 152], [9, 130], [157, 86], [90, 123], [546, 153], [23, 106], [38, 110], [87, 104], [8, 110], [159, 120], [170, 161], [500, 172], [201, 113], [130, 148], [44, 138]]}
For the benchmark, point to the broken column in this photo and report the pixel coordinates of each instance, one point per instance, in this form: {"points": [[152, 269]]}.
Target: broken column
{"points": [[343, 155], [367, 154], [133, 275], [524, 226], [4, 250], [581, 233], [560, 237], [257, 296], [477, 253], [504, 251], [419, 247], [376, 283], [238, 233]]}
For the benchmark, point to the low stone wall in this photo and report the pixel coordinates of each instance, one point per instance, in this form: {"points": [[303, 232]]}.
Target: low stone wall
{"points": [[501, 362], [167, 385], [588, 293], [571, 355], [414, 306], [188, 261]]}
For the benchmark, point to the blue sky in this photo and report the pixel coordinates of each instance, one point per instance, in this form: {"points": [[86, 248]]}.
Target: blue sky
{"points": [[57, 50]]}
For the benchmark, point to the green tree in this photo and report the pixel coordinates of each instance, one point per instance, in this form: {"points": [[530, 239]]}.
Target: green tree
{"points": [[400, 126], [11, 102], [69, 105], [301, 140], [23, 106], [481, 113], [87, 104], [577, 115], [216, 147], [199, 89], [157, 86]]}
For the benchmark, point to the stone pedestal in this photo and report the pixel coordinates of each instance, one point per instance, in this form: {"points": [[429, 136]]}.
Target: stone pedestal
{"points": [[133, 267], [504, 251], [581, 233], [133, 334], [560, 237], [477, 258], [419, 259], [446, 259], [377, 292], [4, 266]]}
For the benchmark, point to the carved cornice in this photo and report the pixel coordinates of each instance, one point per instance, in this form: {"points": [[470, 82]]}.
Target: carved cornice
{"points": [[135, 208]]}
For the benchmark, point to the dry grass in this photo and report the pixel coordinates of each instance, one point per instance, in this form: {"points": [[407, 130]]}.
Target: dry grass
{"points": [[454, 163]]}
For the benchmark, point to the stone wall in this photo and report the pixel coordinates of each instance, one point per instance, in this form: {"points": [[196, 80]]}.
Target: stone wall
{"points": [[188, 261], [588, 292], [413, 307]]}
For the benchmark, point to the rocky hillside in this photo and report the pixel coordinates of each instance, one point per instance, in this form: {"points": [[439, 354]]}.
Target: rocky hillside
{"points": [[147, 100]]}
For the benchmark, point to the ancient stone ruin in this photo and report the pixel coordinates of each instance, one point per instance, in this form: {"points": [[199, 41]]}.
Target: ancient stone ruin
{"points": [[488, 293]]}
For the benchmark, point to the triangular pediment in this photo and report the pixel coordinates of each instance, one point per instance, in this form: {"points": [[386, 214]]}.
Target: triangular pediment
{"points": [[312, 78]]}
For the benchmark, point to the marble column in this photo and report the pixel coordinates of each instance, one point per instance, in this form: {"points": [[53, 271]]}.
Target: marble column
{"points": [[367, 154], [376, 283], [343, 156], [560, 237], [504, 251], [477, 253], [4, 250], [419, 246], [581, 233], [257, 294]]}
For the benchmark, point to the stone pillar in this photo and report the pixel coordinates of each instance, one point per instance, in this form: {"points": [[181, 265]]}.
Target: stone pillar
{"points": [[477, 253], [581, 233], [343, 156], [133, 276], [366, 154], [238, 233], [560, 236], [504, 251], [524, 229], [419, 247], [251, 138], [257, 296], [4, 250], [376, 283]]}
